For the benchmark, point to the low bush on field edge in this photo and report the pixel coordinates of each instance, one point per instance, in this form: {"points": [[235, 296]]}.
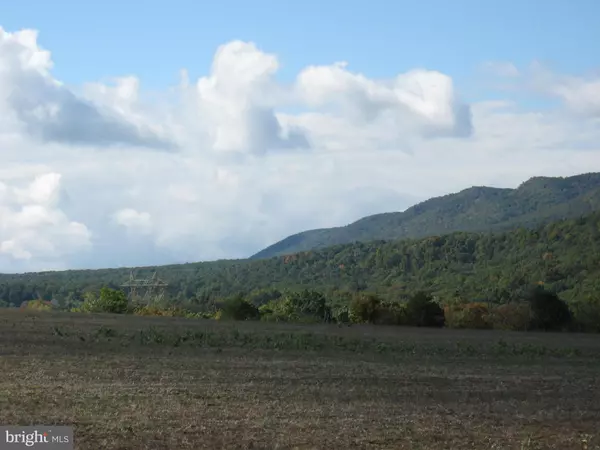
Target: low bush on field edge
{"points": [[538, 310]]}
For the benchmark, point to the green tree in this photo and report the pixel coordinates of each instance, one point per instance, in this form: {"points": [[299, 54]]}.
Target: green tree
{"points": [[423, 311], [260, 297], [109, 301], [515, 316], [467, 315], [391, 313], [586, 315], [364, 308], [297, 306], [548, 312], [237, 308], [310, 305]]}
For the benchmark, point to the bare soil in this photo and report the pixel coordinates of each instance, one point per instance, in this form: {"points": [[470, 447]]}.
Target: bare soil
{"points": [[126, 382]]}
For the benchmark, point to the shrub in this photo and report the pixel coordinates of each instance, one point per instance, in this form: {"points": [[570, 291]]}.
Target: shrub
{"points": [[300, 306], [263, 296], [341, 316], [237, 308], [391, 314], [109, 301], [310, 305], [172, 311], [38, 305], [468, 315], [423, 311], [514, 316], [548, 312], [281, 310], [364, 308], [586, 315]]}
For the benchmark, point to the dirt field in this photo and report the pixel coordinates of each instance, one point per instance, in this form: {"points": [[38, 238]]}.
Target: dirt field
{"points": [[128, 382]]}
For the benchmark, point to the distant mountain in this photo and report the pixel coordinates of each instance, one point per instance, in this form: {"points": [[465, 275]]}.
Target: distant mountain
{"points": [[478, 209]]}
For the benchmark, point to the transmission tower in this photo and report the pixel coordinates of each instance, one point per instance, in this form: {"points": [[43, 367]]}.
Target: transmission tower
{"points": [[145, 290]]}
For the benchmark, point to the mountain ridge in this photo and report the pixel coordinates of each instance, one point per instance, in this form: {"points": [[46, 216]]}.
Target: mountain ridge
{"points": [[536, 201]]}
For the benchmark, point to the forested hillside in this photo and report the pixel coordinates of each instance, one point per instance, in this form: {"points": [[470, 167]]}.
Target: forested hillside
{"points": [[478, 209], [564, 256]]}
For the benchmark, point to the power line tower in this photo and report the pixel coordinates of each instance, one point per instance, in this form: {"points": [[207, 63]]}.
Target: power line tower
{"points": [[145, 290]]}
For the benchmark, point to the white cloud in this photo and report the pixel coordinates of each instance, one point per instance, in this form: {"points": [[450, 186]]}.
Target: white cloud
{"points": [[237, 99], [33, 229], [43, 190], [134, 220], [420, 97], [49, 111], [580, 94], [252, 160]]}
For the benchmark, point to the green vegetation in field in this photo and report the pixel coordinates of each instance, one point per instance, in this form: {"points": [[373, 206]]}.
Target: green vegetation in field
{"points": [[540, 310], [301, 306], [107, 301], [237, 308]]}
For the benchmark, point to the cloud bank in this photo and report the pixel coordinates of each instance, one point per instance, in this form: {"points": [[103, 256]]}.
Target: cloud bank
{"points": [[98, 176]]}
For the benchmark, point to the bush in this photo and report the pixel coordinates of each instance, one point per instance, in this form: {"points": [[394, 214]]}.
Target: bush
{"points": [[237, 308], [391, 314], [468, 315], [281, 310], [586, 315], [301, 306], [364, 308], [263, 296], [548, 312], [309, 305], [341, 316], [514, 316], [172, 311], [38, 305], [423, 311], [109, 301]]}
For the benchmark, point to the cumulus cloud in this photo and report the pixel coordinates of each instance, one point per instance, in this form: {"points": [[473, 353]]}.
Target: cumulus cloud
{"points": [[134, 220], [50, 111], [33, 229], [237, 100], [422, 97], [253, 160]]}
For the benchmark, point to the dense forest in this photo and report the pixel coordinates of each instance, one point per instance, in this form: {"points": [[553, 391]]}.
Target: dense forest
{"points": [[563, 256], [538, 201]]}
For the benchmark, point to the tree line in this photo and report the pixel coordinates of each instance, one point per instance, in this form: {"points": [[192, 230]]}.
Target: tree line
{"points": [[538, 310], [467, 274]]}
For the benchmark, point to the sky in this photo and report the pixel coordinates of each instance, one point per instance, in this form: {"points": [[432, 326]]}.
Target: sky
{"points": [[142, 133]]}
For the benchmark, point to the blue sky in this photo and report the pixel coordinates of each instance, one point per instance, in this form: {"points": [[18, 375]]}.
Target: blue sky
{"points": [[154, 39]]}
